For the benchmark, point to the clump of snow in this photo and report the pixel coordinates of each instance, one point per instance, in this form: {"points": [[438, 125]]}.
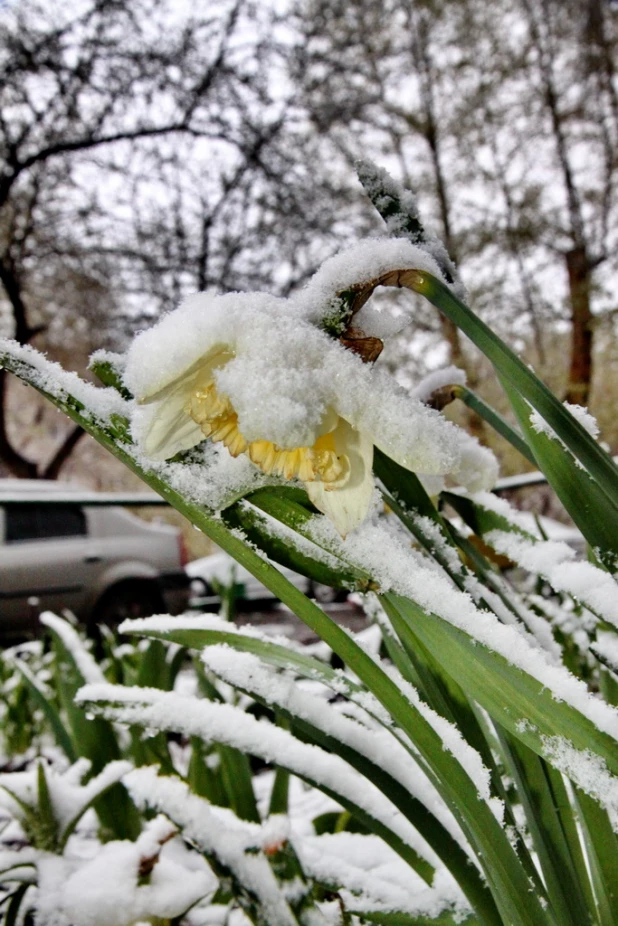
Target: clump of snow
{"points": [[579, 412], [108, 890], [218, 833], [587, 770], [606, 646], [115, 360], [477, 468], [69, 797], [500, 506], [379, 319], [224, 723], [438, 379], [275, 833], [584, 417], [86, 666], [52, 379], [374, 878], [358, 265], [557, 562]]}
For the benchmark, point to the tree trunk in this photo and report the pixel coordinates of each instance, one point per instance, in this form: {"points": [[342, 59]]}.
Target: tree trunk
{"points": [[580, 371]]}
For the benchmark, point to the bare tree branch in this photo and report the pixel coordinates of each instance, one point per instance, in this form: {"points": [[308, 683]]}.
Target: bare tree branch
{"points": [[62, 454]]}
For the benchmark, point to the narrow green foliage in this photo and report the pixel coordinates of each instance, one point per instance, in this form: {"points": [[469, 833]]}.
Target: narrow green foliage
{"points": [[11, 917], [524, 389], [584, 496], [237, 782], [516, 699], [279, 796], [550, 820], [471, 701], [601, 841], [497, 422], [282, 549], [44, 819], [52, 715]]}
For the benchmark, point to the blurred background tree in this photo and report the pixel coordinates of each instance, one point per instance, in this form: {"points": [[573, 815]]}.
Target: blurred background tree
{"points": [[150, 150], [142, 158]]}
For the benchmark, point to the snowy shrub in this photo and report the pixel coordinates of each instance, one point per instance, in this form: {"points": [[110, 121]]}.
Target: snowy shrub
{"points": [[471, 751]]}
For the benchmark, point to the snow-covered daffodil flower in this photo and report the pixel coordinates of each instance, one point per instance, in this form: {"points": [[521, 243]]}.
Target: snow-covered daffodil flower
{"points": [[334, 464], [255, 374]]}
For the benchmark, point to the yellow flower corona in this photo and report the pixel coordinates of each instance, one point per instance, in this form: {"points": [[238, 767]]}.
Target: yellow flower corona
{"points": [[219, 422]]}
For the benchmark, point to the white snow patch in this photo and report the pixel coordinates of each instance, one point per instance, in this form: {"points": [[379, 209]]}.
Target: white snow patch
{"points": [[50, 377], [394, 566], [84, 661], [579, 412], [438, 379], [68, 796], [557, 562], [213, 722], [375, 878], [587, 770], [106, 890]]}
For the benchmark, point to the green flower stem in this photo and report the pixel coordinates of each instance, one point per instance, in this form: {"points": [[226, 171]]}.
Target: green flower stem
{"points": [[598, 463], [497, 422]]}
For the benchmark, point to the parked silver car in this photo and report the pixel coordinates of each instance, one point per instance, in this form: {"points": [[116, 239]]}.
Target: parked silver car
{"points": [[212, 573], [59, 551]]}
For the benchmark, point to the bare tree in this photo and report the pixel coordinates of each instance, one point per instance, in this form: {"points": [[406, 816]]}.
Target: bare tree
{"points": [[94, 101], [591, 110], [503, 118], [375, 82]]}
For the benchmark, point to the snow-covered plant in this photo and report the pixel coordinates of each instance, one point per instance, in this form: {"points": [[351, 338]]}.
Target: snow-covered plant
{"points": [[478, 742], [21, 726], [49, 805], [118, 884], [73, 845]]}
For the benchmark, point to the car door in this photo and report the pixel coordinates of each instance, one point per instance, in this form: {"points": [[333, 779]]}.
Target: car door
{"points": [[45, 561]]}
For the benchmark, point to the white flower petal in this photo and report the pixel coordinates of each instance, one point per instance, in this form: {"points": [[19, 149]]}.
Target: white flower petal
{"points": [[166, 429], [348, 505], [200, 371]]}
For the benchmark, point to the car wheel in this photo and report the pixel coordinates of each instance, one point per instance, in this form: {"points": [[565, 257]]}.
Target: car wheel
{"points": [[325, 594], [131, 599]]}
